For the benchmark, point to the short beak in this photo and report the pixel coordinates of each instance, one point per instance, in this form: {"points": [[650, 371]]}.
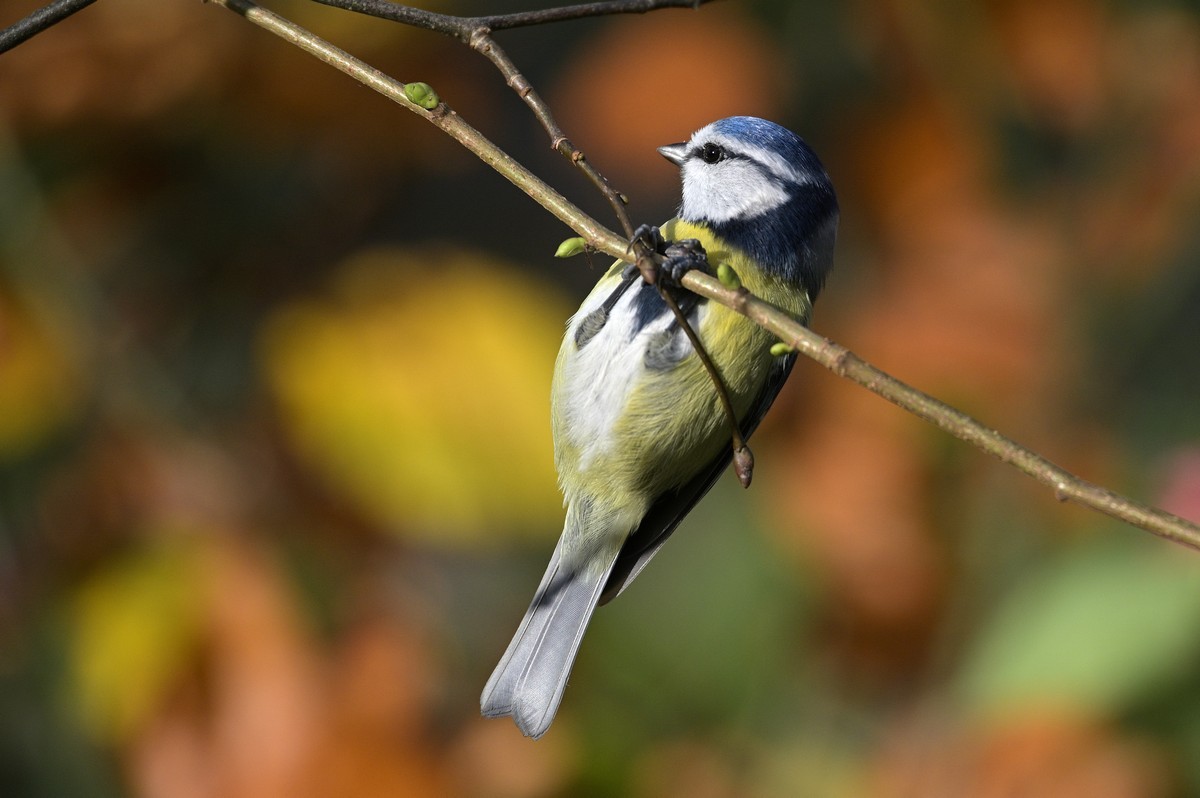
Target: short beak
{"points": [[675, 153]]}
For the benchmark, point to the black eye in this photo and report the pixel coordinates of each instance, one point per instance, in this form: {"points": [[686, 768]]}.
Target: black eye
{"points": [[711, 153]]}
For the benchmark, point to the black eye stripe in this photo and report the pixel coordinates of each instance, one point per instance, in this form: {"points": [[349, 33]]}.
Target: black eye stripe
{"points": [[723, 154], [712, 153]]}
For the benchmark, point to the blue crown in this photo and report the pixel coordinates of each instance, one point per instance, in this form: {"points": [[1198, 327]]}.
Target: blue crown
{"points": [[770, 136]]}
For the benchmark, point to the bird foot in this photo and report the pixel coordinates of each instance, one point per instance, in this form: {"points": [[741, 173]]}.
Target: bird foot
{"points": [[672, 259], [682, 256]]}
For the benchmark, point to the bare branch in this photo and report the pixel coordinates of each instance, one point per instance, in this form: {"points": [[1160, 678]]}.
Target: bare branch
{"points": [[483, 43], [476, 32], [743, 457], [844, 363], [598, 236], [463, 27], [837, 358], [480, 40], [38, 21]]}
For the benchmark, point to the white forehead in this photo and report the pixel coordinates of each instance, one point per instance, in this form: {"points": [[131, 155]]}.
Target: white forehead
{"points": [[773, 161]]}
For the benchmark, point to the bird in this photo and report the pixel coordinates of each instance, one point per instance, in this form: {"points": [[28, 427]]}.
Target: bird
{"points": [[639, 431]]}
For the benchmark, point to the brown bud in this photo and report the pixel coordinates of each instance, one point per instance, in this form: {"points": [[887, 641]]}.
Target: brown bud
{"points": [[743, 464]]}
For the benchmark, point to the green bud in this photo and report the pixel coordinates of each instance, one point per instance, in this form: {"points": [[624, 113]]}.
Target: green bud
{"points": [[570, 248], [422, 94], [779, 349], [728, 277]]}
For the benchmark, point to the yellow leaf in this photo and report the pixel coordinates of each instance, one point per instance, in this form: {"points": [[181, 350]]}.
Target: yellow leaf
{"points": [[419, 388], [39, 382], [134, 626]]}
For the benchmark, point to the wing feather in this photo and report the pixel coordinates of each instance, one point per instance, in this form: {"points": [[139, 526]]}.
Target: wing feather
{"points": [[668, 510]]}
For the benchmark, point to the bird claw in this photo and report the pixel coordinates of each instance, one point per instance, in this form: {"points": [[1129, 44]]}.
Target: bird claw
{"points": [[673, 259], [650, 238], [680, 257]]}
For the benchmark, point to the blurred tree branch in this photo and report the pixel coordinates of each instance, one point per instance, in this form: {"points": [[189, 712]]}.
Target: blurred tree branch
{"points": [[1066, 486]]}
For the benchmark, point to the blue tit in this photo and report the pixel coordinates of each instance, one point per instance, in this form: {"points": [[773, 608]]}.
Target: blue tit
{"points": [[639, 432]]}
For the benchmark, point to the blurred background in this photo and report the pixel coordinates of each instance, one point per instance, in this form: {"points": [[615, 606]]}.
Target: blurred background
{"points": [[275, 466]]}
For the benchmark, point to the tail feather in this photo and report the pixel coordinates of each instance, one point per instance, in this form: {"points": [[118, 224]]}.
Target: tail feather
{"points": [[528, 683]]}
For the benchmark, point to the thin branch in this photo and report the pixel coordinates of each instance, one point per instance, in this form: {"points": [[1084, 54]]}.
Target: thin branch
{"points": [[443, 117], [844, 363], [38, 21], [837, 358], [463, 26], [743, 458], [451, 123], [482, 42], [476, 33]]}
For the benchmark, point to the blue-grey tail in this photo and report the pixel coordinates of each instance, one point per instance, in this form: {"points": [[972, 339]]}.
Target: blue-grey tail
{"points": [[528, 683]]}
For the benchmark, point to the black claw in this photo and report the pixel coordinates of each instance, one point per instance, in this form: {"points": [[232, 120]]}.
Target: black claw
{"points": [[682, 256], [650, 237], [673, 259]]}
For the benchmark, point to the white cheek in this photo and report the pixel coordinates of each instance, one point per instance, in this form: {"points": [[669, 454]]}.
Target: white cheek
{"points": [[723, 192]]}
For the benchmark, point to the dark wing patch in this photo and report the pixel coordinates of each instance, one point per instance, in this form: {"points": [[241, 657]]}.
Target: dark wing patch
{"points": [[669, 509], [594, 322], [647, 306]]}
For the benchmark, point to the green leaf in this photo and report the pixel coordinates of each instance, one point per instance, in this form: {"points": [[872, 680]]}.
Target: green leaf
{"points": [[1098, 631], [703, 635]]}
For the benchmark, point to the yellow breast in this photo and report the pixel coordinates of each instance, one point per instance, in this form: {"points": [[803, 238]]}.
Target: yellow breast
{"points": [[670, 422]]}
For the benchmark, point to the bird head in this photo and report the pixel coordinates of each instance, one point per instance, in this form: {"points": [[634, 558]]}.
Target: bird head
{"points": [[757, 185]]}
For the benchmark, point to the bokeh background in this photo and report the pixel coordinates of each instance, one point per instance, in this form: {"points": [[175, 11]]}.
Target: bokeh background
{"points": [[275, 467]]}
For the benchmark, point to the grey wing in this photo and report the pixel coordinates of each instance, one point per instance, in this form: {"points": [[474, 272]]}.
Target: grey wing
{"points": [[669, 509]]}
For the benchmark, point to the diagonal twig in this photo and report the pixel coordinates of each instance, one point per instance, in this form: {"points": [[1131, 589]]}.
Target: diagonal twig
{"points": [[482, 42], [743, 458], [442, 116], [844, 363], [45, 17], [455, 25], [476, 33]]}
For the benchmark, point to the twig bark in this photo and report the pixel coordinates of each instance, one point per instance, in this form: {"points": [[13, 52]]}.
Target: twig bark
{"points": [[476, 33], [45, 17], [844, 363], [443, 117], [455, 26], [478, 37], [482, 42], [837, 358]]}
